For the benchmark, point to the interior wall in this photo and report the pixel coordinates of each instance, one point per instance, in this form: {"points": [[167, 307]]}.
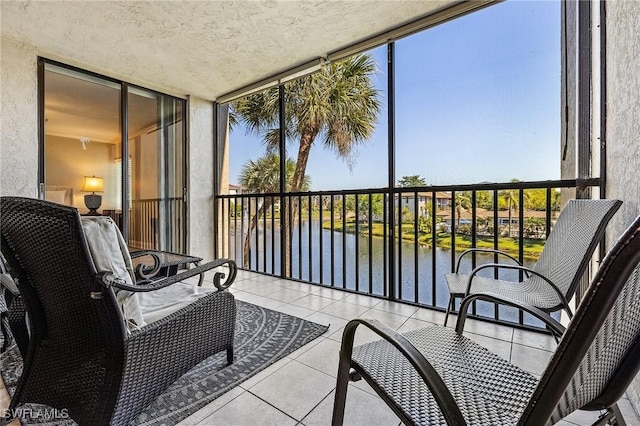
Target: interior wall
{"points": [[623, 122], [146, 165], [19, 119], [68, 164], [200, 178]]}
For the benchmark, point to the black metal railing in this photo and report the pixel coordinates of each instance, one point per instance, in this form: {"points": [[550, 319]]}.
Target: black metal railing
{"points": [[344, 239], [157, 224]]}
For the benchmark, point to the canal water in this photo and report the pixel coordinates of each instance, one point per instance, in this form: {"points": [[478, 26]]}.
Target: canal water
{"points": [[354, 262]]}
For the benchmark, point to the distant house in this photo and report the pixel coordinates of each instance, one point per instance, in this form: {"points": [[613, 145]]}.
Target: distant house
{"points": [[236, 189], [408, 199], [503, 217]]}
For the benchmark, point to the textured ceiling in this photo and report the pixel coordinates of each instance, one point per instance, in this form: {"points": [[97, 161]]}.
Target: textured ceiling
{"points": [[201, 48]]}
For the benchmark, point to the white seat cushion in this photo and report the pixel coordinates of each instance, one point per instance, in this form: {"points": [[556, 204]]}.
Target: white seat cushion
{"points": [[110, 254], [154, 306]]}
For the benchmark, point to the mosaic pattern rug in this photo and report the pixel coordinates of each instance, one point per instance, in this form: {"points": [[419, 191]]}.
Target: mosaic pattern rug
{"points": [[262, 337]]}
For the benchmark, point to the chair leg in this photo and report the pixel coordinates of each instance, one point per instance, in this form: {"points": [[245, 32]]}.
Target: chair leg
{"points": [[449, 305], [6, 336], [230, 355], [618, 419], [612, 416], [341, 392]]}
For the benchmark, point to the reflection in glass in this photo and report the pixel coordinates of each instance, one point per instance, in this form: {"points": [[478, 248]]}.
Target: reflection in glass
{"points": [[155, 147]]}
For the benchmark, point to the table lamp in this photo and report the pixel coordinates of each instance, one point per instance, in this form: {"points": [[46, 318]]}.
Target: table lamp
{"points": [[92, 201]]}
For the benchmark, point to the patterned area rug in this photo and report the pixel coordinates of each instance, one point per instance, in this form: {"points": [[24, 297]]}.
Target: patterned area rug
{"points": [[262, 337]]}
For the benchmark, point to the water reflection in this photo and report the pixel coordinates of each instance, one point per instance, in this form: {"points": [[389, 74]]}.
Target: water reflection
{"points": [[358, 263]]}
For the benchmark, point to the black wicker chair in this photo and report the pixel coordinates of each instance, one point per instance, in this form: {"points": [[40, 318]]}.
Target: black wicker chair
{"points": [[13, 321], [81, 356], [436, 375], [551, 283]]}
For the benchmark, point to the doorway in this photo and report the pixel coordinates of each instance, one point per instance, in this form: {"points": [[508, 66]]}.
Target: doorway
{"points": [[85, 119]]}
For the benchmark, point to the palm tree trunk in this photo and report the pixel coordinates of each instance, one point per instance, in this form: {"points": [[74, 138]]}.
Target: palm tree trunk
{"points": [[306, 140], [253, 223], [509, 225]]}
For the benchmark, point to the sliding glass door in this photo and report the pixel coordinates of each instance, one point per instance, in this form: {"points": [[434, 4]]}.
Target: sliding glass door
{"points": [[156, 151], [82, 154]]}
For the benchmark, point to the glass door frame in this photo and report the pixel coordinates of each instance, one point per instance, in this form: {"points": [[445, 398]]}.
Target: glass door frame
{"points": [[124, 134]]}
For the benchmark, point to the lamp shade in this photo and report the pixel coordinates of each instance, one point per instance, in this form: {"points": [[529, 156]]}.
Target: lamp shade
{"points": [[93, 184]]}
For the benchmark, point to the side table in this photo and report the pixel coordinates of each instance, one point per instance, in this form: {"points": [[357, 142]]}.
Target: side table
{"points": [[149, 264]]}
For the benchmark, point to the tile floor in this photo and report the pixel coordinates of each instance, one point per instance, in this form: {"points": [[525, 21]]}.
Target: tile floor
{"points": [[299, 389]]}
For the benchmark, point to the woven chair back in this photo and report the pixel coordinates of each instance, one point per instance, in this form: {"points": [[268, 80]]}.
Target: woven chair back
{"points": [[68, 309], [599, 354], [568, 249]]}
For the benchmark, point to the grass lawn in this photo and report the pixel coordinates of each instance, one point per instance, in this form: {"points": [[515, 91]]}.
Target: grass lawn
{"points": [[531, 249]]}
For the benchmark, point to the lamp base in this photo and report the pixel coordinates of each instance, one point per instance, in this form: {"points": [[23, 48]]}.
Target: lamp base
{"points": [[93, 202]]}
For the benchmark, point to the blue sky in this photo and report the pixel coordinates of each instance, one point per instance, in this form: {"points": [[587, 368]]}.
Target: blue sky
{"points": [[477, 99]]}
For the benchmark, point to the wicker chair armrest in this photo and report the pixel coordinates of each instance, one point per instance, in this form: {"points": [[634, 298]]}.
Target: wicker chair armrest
{"points": [[108, 280], [563, 299], [423, 368], [556, 328], [484, 250]]}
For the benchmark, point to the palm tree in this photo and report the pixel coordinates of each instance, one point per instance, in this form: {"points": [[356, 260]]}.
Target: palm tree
{"points": [[337, 105], [410, 181], [510, 196], [462, 202], [263, 176]]}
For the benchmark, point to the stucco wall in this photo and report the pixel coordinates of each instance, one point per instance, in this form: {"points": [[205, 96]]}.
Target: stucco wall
{"points": [[623, 122], [200, 177], [18, 120]]}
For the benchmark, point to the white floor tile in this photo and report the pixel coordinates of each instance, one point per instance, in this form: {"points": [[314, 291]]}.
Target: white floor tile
{"points": [[435, 317], [362, 300], [390, 320], [330, 293], [247, 409], [487, 329], [314, 302], [334, 323], [286, 295], [413, 324], [295, 389], [252, 381], [361, 408], [535, 340], [396, 308], [199, 416], [323, 356], [530, 359], [344, 310]]}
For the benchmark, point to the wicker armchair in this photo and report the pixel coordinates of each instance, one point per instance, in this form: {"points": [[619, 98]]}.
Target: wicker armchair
{"points": [[553, 280], [81, 356], [13, 321], [436, 375]]}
